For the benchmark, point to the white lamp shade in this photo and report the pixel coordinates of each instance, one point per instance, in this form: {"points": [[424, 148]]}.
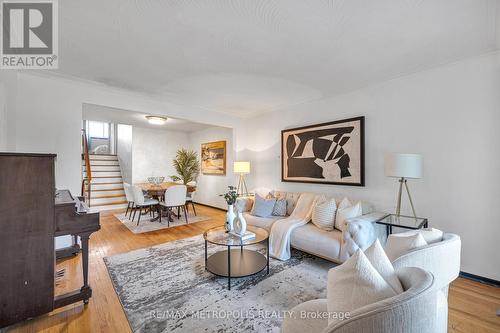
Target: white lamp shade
{"points": [[241, 167], [403, 165]]}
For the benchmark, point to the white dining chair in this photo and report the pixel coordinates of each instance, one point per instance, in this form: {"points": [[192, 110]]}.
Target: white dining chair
{"points": [[141, 202], [175, 197], [190, 197], [130, 198]]}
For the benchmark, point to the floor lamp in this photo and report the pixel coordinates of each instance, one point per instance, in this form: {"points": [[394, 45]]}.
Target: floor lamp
{"points": [[404, 166], [242, 168]]}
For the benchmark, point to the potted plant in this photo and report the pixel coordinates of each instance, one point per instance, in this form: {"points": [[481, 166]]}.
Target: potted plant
{"points": [[187, 166], [230, 197]]}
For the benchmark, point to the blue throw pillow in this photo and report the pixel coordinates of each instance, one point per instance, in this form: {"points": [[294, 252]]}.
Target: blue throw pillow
{"points": [[263, 207], [280, 207]]}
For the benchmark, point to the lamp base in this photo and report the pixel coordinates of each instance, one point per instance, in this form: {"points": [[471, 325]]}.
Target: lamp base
{"points": [[242, 186], [403, 181]]}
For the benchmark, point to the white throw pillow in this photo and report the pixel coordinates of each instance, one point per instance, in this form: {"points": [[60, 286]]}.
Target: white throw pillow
{"points": [[354, 284], [345, 211], [323, 215], [378, 258], [398, 244], [344, 203], [431, 235]]}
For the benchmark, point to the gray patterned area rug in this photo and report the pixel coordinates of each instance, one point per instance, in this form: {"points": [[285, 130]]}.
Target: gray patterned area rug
{"points": [[145, 224], [165, 288]]}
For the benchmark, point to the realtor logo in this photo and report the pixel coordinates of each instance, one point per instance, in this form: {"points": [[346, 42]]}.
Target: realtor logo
{"points": [[29, 34]]}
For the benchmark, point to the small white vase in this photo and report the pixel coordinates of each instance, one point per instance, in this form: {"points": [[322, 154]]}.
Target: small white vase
{"points": [[240, 224], [230, 216]]}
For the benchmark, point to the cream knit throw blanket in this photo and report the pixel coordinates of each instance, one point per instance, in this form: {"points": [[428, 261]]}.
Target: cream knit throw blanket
{"points": [[281, 231]]}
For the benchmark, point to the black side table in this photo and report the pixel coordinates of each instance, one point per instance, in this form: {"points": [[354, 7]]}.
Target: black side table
{"points": [[402, 221]]}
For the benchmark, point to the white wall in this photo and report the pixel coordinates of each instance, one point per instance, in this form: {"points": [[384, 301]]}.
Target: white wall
{"points": [[124, 150], [8, 95], [44, 114], [450, 115], [48, 117], [209, 186], [153, 152]]}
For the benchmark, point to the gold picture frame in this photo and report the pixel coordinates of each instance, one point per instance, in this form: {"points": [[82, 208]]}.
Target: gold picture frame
{"points": [[213, 158]]}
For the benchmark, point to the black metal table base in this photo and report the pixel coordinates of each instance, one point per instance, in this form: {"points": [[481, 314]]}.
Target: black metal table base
{"points": [[389, 228], [236, 262]]}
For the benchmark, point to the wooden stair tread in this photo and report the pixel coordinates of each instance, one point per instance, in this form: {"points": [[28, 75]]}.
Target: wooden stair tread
{"points": [[108, 196], [107, 183], [92, 167], [109, 189], [104, 165], [107, 177], [102, 155]]}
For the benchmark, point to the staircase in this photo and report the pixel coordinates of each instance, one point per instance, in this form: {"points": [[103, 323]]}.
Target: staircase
{"points": [[106, 187]]}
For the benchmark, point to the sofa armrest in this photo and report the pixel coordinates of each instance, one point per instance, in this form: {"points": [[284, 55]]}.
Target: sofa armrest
{"points": [[243, 204], [359, 233]]}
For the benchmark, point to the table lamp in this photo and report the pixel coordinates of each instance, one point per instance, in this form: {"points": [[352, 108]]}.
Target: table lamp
{"points": [[243, 168], [403, 166]]}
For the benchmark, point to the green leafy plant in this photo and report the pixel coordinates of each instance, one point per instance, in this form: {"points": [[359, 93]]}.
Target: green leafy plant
{"points": [[230, 196], [187, 166]]}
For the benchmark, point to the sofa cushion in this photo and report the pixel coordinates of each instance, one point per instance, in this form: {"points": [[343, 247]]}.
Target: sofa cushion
{"points": [[354, 284], [261, 222], [263, 207], [345, 211], [311, 239], [366, 206], [243, 204], [431, 235], [398, 244], [324, 213], [291, 199], [379, 260]]}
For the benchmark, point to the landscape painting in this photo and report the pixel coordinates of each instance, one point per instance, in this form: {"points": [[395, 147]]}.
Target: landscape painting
{"points": [[213, 158], [328, 153]]}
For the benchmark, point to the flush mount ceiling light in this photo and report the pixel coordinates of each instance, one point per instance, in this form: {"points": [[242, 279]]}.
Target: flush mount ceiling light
{"points": [[156, 120]]}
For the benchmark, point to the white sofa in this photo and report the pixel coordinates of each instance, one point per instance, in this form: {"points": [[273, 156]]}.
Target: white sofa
{"points": [[333, 245]]}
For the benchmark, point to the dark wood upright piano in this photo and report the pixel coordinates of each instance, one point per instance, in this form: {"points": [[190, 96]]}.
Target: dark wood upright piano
{"points": [[32, 214]]}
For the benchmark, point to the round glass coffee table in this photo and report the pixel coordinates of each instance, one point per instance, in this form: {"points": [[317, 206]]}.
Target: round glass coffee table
{"points": [[235, 261]]}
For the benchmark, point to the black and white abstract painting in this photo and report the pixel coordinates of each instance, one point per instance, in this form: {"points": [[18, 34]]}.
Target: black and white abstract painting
{"points": [[329, 153]]}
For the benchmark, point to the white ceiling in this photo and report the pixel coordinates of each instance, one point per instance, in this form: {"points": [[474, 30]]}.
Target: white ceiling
{"points": [[250, 56], [134, 118]]}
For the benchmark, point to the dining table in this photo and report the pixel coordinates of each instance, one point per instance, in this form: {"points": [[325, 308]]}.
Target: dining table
{"points": [[157, 191]]}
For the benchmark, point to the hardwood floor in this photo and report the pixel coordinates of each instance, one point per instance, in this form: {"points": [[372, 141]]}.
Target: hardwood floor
{"points": [[472, 305]]}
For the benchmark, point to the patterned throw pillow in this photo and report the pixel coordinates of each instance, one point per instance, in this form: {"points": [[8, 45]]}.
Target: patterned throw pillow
{"points": [[323, 215], [280, 207], [291, 200]]}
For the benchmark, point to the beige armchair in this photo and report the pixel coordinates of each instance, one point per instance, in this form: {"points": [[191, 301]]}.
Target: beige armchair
{"points": [[413, 311]]}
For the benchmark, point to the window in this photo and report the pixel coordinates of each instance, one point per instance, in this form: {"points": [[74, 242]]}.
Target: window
{"points": [[97, 129]]}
